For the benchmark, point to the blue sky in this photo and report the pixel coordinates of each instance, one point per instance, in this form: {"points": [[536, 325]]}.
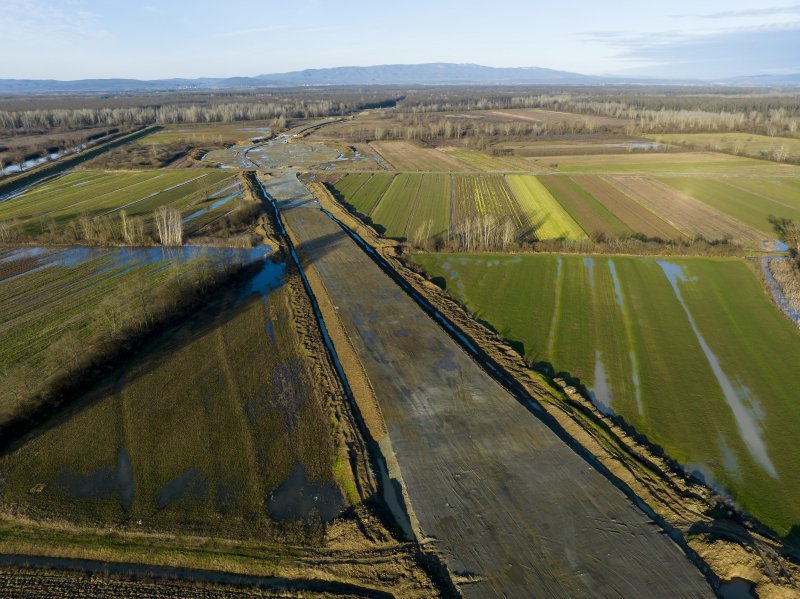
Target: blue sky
{"points": [[148, 39]]}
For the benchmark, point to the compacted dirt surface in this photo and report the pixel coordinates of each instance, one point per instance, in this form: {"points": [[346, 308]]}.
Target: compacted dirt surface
{"points": [[511, 509]]}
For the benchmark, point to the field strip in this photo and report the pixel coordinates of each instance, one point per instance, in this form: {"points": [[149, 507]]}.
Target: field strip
{"points": [[26, 203], [638, 217], [761, 195], [152, 195], [545, 215], [684, 212]]}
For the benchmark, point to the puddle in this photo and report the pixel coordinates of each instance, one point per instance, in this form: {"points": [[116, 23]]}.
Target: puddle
{"points": [[589, 264], [617, 287], [736, 589], [601, 391], [270, 277], [103, 483], [634, 361], [635, 145], [740, 399], [190, 484], [298, 498], [213, 206], [729, 460]]}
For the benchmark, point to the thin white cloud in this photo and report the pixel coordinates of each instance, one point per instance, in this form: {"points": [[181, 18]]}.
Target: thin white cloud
{"points": [[752, 12]]}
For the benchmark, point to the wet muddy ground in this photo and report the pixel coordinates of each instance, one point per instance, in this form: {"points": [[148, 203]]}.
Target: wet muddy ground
{"points": [[493, 488]]}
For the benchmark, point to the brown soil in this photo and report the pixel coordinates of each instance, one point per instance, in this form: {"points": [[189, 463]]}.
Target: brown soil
{"points": [[729, 543], [632, 213], [684, 212], [407, 156]]}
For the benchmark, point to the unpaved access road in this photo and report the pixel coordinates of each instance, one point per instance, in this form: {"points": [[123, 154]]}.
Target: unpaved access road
{"points": [[501, 496]]}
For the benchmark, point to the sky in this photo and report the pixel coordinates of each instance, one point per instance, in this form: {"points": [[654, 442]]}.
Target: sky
{"points": [[149, 39]]}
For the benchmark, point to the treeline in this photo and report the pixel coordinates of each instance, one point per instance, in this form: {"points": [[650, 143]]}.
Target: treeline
{"points": [[766, 114], [492, 233], [139, 306], [168, 113], [430, 127]]}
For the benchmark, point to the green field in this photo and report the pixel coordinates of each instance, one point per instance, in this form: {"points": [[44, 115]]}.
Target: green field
{"points": [[591, 215], [363, 191], [748, 201], [217, 428], [99, 193], [59, 306], [208, 134], [405, 206], [396, 207], [689, 351], [547, 216]]}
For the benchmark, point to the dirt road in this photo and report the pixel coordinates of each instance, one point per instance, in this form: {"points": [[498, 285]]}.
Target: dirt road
{"points": [[504, 500]]}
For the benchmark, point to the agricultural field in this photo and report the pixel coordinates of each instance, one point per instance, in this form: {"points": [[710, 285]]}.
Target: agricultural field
{"points": [[62, 307], [690, 216], [750, 144], [209, 134], [486, 163], [745, 201], [236, 442], [363, 192], [663, 163], [633, 214], [581, 145], [408, 156], [65, 199], [689, 351], [478, 195], [593, 217], [547, 217], [406, 206]]}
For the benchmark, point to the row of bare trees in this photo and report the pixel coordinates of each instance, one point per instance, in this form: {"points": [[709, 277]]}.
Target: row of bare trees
{"points": [[78, 118], [167, 229], [766, 114], [475, 233]]}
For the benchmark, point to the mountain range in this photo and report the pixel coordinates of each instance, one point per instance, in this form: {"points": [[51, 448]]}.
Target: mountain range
{"points": [[399, 74]]}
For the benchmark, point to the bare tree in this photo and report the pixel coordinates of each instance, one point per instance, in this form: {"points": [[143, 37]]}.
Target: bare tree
{"points": [[169, 226]]}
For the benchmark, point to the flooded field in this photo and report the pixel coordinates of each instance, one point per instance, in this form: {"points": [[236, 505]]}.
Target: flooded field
{"points": [[234, 442], [689, 351], [58, 305]]}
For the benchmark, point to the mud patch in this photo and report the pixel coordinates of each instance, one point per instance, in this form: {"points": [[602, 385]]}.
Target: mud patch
{"points": [[298, 498]]}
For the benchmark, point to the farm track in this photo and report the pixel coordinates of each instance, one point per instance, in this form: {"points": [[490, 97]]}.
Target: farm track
{"points": [[473, 460]]}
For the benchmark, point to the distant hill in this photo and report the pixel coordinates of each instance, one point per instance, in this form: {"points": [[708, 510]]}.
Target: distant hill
{"points": [[431, 74], [790, 80], [398, 74]]}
